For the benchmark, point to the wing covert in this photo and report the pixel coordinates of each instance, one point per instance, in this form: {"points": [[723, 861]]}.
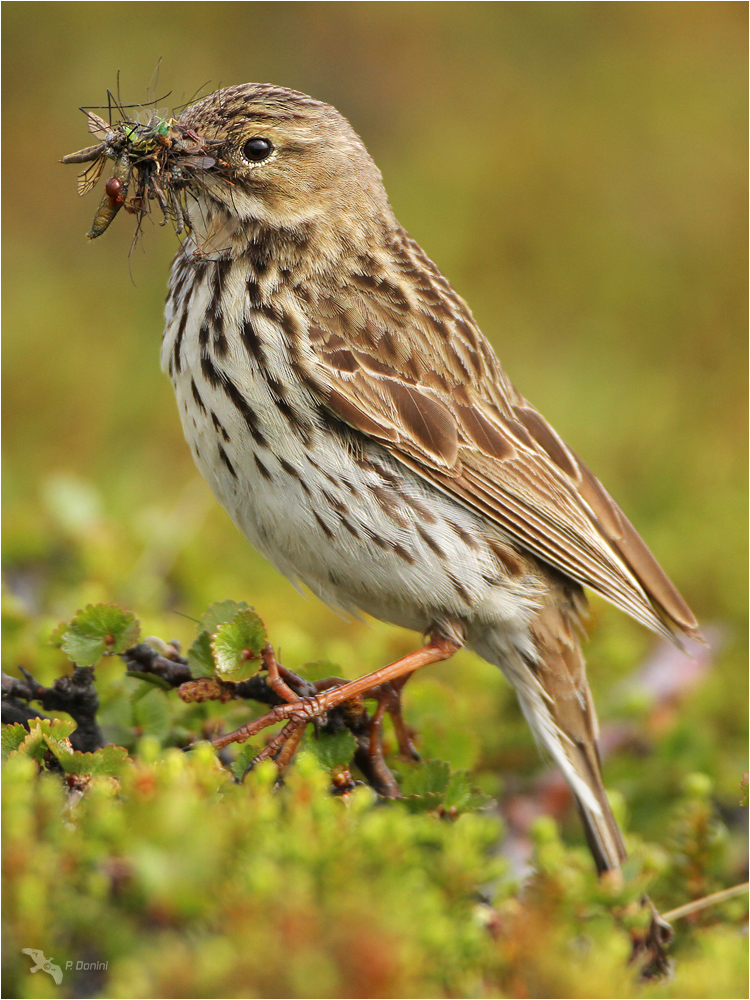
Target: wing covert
{"points": [[412, 371]]}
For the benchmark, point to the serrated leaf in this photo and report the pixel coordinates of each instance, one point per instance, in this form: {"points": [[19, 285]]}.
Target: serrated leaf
{"points": [[432, 785], [245, 756], [200, 658], [83, 650], [58, 634], [332, 749], [98, 629], [219, 613], [422, 803], [13, 736], [56, 729], [461, 795], [43, 735], [236, 646], [51, 736], [109, 761], [431, 777]]}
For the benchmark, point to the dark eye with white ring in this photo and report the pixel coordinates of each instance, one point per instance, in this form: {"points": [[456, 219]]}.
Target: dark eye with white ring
{"points": [[257, 149]]}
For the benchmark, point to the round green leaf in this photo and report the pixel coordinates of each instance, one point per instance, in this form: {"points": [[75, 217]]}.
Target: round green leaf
{"points": [[98, 629], [237, 645]]}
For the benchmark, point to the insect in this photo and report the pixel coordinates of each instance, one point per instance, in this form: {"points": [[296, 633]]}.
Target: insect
{"points": [[146, 165]]}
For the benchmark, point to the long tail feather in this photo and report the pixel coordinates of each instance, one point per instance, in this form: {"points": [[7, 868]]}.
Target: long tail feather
{"points": [[601, 829], [554, 695]]}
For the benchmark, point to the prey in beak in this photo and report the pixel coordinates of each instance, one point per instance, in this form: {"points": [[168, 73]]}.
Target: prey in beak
{"points": [[153, 161]]}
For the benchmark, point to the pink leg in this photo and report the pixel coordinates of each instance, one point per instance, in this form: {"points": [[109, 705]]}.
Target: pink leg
{"points": [[304, 710]]}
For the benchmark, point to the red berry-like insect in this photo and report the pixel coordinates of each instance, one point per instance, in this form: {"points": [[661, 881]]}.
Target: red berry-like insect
{"points": [[113, 188]]}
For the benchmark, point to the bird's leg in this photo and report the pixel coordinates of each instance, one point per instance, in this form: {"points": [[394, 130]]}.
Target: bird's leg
{"points": [[375, 746], [304, 710], [285, 743], [406, 748], [369, 753], [389, 700], [374, 764]]}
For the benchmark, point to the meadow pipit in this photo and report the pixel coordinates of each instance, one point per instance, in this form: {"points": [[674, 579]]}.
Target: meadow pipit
{"points": [[344, 407]]}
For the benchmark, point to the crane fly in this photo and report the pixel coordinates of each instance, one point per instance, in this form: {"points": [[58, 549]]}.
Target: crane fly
{"points": [[150, 159]]}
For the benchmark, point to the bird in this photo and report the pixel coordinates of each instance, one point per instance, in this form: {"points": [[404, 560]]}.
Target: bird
{"points": [[43, 964], [346, 410]]}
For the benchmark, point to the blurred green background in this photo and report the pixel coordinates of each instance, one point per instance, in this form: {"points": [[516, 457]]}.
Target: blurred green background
{"points": [[577, 170]]}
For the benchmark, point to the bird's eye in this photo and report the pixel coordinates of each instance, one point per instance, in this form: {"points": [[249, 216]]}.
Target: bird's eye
{"points": [[257, 149]]}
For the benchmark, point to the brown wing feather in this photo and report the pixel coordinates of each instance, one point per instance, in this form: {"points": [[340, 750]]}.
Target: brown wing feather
{"points": [[406, 364]]}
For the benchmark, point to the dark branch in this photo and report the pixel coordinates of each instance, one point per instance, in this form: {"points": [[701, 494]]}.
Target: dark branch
{"points": [[73, 693]]}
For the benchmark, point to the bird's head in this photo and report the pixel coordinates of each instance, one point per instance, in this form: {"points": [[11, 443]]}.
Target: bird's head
{"points": [[284, 164]]}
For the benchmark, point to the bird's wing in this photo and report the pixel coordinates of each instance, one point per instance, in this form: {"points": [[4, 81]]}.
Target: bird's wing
{"points": [[404, 363]]}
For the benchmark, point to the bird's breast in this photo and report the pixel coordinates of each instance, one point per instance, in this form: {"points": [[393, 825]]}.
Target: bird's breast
{"points": [[325, 504]]}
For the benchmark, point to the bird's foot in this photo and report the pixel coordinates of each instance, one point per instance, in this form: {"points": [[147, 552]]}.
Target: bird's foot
{"points": [[650, 949], [384, 684]]}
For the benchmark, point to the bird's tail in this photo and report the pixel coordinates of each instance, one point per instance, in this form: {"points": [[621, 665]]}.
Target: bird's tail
{"points": [[600, 826], [551, 684]]}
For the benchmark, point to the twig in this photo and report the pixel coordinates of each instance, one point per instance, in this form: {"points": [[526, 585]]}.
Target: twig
{"points": [[72, 693], [144, 659], [701, 904]]}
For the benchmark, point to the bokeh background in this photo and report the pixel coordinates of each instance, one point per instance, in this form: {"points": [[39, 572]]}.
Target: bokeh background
{"points": [[577, 170]]}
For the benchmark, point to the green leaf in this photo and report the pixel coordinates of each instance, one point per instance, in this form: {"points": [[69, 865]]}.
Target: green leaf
{"points": [[58, 634], [220, 613], [151, 680], [462, 796], [13, 736], [244, 758], [320, 670], [151, 713], [424, 785], [432, 776], [109, 761], [200, 658], [237, 645], [51, 736], [332, 749], [432, 786], [45, 735], [98, 629]]}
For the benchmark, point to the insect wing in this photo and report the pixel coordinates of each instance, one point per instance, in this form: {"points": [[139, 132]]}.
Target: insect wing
{"points": [[88, 178], [97, 125], [202, 162]]}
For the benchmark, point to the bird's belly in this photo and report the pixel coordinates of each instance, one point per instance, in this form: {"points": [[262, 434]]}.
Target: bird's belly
{"points": [[360, 530]]}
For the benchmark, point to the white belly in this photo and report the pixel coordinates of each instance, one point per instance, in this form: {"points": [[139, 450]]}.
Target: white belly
{"points": [[325, 506]]}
